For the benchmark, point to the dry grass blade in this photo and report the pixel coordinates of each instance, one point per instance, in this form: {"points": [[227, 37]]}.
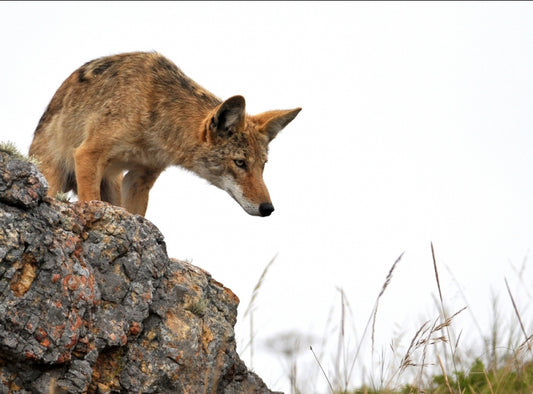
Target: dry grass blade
{"points": [[427, 335], [322, 369], [424, 344], [448, 320], [516, 310], [258, 285], [406, 361], [437, 278], [249, 309], [373, 316], [444, 374], [341, 346], [452, 352], [463, 296], [419, 340], [385, 285], [488, 381], [520, 274]]}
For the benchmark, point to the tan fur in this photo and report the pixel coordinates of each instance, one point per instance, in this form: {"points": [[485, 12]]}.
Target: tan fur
{"points": [[136, 114]]}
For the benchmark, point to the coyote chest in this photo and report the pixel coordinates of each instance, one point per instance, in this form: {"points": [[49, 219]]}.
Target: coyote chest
{"points": [[117, 122]]}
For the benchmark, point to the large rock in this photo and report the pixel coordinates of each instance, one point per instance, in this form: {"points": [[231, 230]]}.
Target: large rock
{"points": [[90, 302]]}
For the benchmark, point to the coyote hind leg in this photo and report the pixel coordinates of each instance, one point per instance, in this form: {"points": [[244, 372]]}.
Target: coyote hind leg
{"points": [[56, 173], [136, 187], [111, 189], [57, 177]]}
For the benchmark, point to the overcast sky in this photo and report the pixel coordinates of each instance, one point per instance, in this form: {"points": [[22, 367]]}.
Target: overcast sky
{"points": [[416, 128]]}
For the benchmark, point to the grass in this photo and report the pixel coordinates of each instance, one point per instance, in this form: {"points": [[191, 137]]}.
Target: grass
{"points": [[435, 359], [249, 312], [11, 149]]}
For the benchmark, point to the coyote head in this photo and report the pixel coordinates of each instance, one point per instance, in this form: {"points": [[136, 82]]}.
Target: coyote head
{"points": [[235, 152]]}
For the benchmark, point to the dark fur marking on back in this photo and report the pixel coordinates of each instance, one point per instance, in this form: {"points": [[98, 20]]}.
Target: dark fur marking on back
{"points": [[102, 67], [169, 75], [43, 120], [165, 73], [53, 108], [81, 75], [154, 116]]}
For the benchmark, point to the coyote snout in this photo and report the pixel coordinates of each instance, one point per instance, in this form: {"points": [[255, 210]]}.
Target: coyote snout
{"points": [[117, 122], [253, 208], [262, 207]]}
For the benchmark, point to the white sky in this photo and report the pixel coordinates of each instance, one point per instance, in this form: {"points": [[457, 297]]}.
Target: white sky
{"points": [[416, 128]]}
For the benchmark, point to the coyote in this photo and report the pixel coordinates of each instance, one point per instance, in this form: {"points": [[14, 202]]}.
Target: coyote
{"points": [[117, 122]]}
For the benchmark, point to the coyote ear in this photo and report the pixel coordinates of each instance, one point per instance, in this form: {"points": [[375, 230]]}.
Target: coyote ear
{"points": [[272, 122], [228, 116]]}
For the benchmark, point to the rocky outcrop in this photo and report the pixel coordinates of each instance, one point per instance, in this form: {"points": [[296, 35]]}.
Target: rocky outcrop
{"points": [[90, 302]]}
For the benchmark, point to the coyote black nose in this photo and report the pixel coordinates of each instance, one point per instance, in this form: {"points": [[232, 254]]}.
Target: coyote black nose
{"points": [[265, 209]]}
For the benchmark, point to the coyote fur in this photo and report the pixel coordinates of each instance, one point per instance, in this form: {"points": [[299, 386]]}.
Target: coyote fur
{"points": [[117, 122]]}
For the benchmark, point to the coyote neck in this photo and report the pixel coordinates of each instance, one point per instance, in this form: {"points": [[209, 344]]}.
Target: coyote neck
{"points": [[182, 129]]}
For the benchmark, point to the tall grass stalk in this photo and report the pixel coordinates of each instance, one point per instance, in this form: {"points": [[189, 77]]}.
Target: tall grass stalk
{"points": [[452, 350], [322, 369], [343, 370], [341, 345], [516, 310], [444, 374], [372, 318], [251, 307]]}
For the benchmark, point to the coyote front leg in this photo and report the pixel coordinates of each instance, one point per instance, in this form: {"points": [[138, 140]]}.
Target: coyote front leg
{"points": [[89, 170]]}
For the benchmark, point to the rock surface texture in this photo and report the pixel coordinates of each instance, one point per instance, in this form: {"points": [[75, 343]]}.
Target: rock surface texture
{"points": [[90, 302]]}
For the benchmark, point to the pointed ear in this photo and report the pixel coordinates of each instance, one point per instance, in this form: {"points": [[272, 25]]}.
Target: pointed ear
{"points": [[228, 116], [272, 122]]}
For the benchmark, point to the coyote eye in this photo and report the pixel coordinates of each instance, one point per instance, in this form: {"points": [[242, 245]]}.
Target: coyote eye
{"points": [[240, 163]]}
